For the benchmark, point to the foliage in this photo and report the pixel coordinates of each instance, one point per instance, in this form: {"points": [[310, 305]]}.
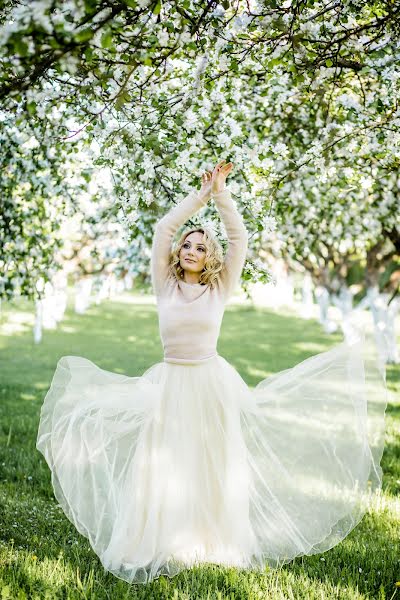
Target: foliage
{"points": [[302, 96]]}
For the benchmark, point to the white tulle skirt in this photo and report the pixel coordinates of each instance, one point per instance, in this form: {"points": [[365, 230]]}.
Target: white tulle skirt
{"points": [[187, 464]]}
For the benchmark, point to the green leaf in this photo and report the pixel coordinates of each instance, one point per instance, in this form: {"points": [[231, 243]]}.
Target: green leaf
{"points": [[273, 62], [21, 47], [121, 100], [88, 54], [31, 106], [106, 39], [157, 8], [90, 5], [329, 62], [84, 35], [53, 43]]}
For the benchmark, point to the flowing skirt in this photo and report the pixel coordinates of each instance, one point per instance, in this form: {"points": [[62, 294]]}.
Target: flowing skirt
{"points": [[187, 464]]}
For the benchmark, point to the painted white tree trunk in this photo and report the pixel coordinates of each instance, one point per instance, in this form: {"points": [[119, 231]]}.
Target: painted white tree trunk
{"points": [[83, 289], [284, 289], [384, 318], [112, 290], [128, 281], [307, 300], [287, 290], [392, 312], [119, 286], [344, 302], [48, 307], [60, 283], [37, 328], [323, 300], [60, 304], [103, 289]]}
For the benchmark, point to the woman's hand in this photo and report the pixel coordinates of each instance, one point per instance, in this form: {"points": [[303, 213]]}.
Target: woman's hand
{"points": [[206, 183], [219, 175]]}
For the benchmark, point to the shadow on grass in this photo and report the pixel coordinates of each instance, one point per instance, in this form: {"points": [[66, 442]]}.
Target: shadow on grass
{"points": [[365, 560]]}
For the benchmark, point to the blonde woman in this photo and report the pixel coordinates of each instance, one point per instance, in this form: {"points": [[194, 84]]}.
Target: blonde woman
{"points": [[186, 464]]}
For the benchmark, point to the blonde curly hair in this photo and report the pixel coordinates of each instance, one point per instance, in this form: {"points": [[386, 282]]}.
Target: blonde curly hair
{"points": [[213, 260]]}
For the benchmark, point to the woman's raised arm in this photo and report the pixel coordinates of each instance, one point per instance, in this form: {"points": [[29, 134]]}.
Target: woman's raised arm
{"points": [[237, 241], [165, 230]]}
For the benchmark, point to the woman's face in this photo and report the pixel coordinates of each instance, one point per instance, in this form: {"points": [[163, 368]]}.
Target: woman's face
{"points": [[193, 248]]}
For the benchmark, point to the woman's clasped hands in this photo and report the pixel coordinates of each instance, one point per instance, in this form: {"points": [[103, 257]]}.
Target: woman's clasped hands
{"points": [[213, 182]]}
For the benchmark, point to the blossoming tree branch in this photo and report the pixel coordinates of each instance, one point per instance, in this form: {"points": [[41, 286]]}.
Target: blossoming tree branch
{"points": [[304, 97]]}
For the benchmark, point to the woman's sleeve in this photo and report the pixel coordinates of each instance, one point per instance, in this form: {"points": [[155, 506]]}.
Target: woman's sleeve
{"points": [[164, 232], [237, 241]]}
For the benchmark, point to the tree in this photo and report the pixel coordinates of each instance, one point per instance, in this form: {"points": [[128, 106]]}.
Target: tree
{"points": [[163, 89]]}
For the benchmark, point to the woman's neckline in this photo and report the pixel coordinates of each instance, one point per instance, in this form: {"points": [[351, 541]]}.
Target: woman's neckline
{"points": [[186, 283]]}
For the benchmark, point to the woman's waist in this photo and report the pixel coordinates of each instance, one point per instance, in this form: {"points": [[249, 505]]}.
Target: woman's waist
{"points": [[190, 361]]}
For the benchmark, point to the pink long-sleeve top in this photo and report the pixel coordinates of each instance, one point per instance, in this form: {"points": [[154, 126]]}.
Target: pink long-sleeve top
{"points": [[190, 314]]}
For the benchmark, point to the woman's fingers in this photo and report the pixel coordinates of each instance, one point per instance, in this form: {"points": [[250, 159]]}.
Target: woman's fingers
{"points": [[226, 169], [218, 165], [206, 177], [219, 169]]}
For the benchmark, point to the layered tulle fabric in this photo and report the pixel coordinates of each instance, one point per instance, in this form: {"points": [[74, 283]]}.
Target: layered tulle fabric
{"points": [[187, 464]]}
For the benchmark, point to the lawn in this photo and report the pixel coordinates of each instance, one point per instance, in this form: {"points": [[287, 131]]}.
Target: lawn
{"points": [[41, 553]]}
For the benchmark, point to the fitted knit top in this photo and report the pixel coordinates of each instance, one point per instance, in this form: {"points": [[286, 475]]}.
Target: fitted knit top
{"points": [[190, 314]]}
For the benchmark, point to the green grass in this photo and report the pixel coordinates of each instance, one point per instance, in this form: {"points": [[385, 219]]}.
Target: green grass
{"points": [[41, 553]]}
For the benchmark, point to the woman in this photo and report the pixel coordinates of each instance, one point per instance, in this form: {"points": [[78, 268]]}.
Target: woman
{"points": [[188, 464]]}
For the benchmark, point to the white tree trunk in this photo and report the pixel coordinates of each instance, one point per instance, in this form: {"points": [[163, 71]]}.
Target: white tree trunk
{"points": [[323, 301], [128, 281], [60, 304], [103, 290], [120, 286], [83, 288], [37, 328], [392, 310], [112, 290], [344, 302], [384, 318], [307, 300], [60, 284], [48, 307]]}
